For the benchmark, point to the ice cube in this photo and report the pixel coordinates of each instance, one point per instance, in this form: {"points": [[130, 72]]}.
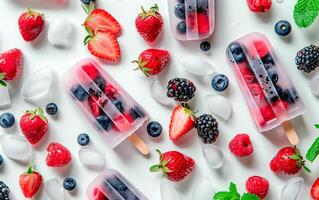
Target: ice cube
{"points": [[17, 148], [38, 86], [314, 86], [213, 155], [60, 31], [159, 94], [91, 159], [167, 191], [5, 99], [218, 105], [204, 190], [53, 188], [197, 66], [291, 189]]}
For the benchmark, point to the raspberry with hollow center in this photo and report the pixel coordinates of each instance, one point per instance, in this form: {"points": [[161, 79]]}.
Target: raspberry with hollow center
{"points": [[258, 186], [241, 145]]}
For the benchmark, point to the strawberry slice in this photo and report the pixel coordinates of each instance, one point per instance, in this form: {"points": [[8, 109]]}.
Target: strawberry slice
{"points": [[101, 20], [96, 103], [103, 45], [315, 190], [182, 121]]}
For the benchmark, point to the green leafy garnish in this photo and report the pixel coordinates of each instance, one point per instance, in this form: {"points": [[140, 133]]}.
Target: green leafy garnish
{"points": [[233, 194], [2, 82], [317, 126], [313, 151], [305, 12]]}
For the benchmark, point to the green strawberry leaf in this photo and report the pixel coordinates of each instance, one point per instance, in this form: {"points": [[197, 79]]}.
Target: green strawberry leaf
{"points": [[306, 168], [248, 196], [3, 83], [313, 151], [317, 126], [305, 12], [295, 157]]}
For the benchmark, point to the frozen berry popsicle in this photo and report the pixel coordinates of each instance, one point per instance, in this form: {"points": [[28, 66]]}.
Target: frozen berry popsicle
{"points": [[109, 108], [192, 19], [111, 185], [269, 92]]}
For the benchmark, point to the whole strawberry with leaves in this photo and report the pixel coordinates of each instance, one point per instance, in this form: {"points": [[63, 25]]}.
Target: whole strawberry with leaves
{"points": [[152, 61], [288, 161], [31, 24], [34, 125], [149, 23], [10, 65], [30, 182], [174, 165]]}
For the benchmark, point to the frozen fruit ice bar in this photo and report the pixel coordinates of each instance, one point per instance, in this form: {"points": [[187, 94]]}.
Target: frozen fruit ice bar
{"points": [[111, 185], [269, 92], [109, 108], [191, 19]]}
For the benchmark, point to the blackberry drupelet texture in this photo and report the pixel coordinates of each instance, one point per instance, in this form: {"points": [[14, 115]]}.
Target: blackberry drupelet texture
{"points": [[307, 59], [207, 128], [181, 89]]}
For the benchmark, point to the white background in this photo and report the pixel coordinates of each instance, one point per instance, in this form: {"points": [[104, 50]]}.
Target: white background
{"points": [[233, 20]]}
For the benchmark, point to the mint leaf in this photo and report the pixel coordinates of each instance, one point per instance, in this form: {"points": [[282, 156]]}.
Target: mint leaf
{"points": [[248, 196], [305, 12], [225, 196], [233, 188], [313, 151], [317, 126]]}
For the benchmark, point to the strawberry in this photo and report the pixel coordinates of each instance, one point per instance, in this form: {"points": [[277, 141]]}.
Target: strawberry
{"points": [[152, 61], [30, 182], [103, 45], [314, 192], [261, 47], [98, 195], [10, 65], [174, 165], [288, 161], [90, 70], [149, 23], [110, 91], [58, 155], [182, 121], [101, 20], [123, 123], [96, 103], [199, 21], [34, 125], [31, 24]]}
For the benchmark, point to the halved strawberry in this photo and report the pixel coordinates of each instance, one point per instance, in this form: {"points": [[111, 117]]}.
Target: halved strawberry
{"points": [[110, 91], [101, 20], [103, 45], [123, 123], [315, 190], [182, 121], [95, 104]]}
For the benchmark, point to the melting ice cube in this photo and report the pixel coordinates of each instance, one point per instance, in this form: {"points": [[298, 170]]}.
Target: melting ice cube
{"points": [[213, 155], [60, 31], [159, 94], [4, 97], [218, 105], [91, 159], [204, 190], [17, 148], [314, 86], [168, 192], [54, 189], [291, 189], [197, 66]]}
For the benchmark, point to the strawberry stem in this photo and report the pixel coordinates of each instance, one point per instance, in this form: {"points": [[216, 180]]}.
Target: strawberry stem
{"points": [[30, 170]]}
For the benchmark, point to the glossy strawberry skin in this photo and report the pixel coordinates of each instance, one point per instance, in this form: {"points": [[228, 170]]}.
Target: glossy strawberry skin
{"points": [[90, 71], [11, 63], [58, 155], [33, 129], [30, 183], [314, 192], [282, 163], [179, 164], [30, 25]]}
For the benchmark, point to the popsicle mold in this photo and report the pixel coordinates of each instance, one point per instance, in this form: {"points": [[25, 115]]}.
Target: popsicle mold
{"points": [[269, 92], [114, 186]]}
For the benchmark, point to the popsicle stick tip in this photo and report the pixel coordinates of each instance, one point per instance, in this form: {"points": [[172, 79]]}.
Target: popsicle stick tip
{"points": [[291, 133], [139, 144]]}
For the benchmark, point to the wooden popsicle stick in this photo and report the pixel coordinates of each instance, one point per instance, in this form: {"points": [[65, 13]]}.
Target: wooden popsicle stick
{"points": [[139, 144], [291, 133]]}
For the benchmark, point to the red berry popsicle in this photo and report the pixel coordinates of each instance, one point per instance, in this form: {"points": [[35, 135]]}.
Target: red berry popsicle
{"points": [[269, 92]]}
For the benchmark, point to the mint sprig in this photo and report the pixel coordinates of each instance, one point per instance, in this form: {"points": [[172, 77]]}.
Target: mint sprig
{"points": [[233, 194], [313, 151], [305, 12]]}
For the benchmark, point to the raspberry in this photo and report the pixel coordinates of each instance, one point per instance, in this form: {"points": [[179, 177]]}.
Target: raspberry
{"points": [[259, 5], [241, 145], [98, 195], [260, 46], [58, 155], [267, 113], [90, 70], [110, 91], [258, 186]]}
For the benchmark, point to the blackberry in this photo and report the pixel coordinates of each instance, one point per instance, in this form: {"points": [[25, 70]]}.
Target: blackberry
{"points": [[207, 128], [181, 89], [307, 59], [4, 191]]}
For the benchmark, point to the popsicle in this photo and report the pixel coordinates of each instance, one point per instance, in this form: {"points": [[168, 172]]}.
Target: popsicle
{"points": [[108, 107], [111, 185], [270, 94], [191, 19]]}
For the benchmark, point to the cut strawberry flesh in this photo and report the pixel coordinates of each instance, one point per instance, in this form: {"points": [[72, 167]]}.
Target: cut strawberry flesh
{"points": [[98, 195]]}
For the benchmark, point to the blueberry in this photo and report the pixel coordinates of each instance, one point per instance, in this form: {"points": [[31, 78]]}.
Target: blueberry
{"points": [[83, 139], [104, 121], [118, 104], [181, 27], [272, 72], [292, 96], [181, 1], [136, 112], [79, 92], [1, 160], [180, 10], [237, 51], [87, 2], [205, 46], [283, 28], [268, 61], [220, 82], [154, 129], [69, 183], [51, 108], [202, 5], [100, 82], [121, 188], [7, 120]]}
